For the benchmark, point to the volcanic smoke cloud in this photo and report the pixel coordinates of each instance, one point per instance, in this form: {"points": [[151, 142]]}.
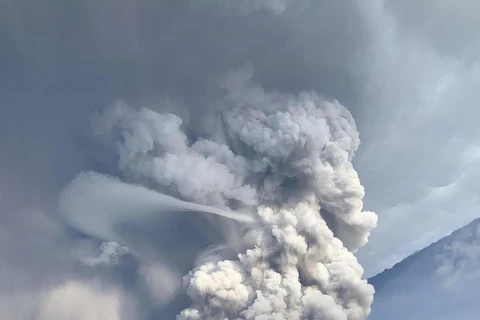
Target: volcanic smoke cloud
{"points": [[287, 159]]}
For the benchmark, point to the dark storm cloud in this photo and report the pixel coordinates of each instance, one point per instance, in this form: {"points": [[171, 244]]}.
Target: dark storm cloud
{"points": [[61, 61], [451, 27], [139, 47]]}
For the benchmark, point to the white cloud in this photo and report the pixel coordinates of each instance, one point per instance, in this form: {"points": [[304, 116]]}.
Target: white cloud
{"points": [[80, 301], [73, 299]]}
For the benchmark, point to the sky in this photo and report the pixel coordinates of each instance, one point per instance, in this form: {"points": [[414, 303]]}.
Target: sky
{"points": [[406, 71]]}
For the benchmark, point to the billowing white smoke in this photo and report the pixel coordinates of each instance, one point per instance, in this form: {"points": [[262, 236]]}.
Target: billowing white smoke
{"points": [[288, 159], [296, 269]]}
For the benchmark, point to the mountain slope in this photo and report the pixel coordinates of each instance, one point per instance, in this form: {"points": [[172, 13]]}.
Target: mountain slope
{"points": [[440, 282]]}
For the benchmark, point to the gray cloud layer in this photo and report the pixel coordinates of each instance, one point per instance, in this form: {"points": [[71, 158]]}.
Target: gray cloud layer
{"points": [[411, 92]]}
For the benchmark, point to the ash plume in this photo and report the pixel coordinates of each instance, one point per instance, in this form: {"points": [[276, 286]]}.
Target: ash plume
{"points": [[287, 158]]}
